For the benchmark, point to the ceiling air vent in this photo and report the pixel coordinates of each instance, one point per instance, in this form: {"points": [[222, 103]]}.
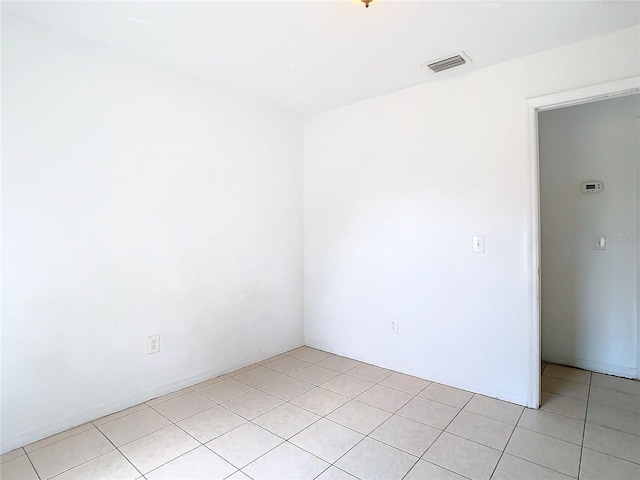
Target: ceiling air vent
{"points": [[447, 63]]}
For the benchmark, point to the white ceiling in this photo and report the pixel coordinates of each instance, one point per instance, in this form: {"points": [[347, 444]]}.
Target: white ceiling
{"points": [[308, 56]]}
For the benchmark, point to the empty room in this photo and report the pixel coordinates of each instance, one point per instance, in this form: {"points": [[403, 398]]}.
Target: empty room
{"points": [[320, 239]]}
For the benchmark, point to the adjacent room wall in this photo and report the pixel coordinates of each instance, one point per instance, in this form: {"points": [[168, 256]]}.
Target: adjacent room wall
{"points": [[589, 296], [135, 202], [396, 186]]}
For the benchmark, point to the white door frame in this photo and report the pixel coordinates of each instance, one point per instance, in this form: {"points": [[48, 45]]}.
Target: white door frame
{"points": [[594, 93]]}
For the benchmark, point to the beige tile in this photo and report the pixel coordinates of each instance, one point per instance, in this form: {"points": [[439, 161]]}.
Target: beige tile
{"points": [[252, 404], [370, 373], [120, 414], [18, 452], [447, 395], [385, 398], [327, 440], [19, 468], [206, 383], [617, 419], [612, 442], [286, 420], [615, 399], [246, 368], [405, 383], [338, 363], [558, 386], [109, 466], [244, 444], [70, 452], [429, 412], [557, 426], [273, 359], [184, 406], [407, 435], [494, 408], [168, 396], [549, 452], [286, 462], [311, 355], [514, 468], [225, 390], [568, 373], [57, 437], [315, 375], [570, 407], [198, 464], [334, 473], [598, 466], [148, 453], [320, 401], [347, 385], [610, 382], [287, 365], [259, 376], [359, 416], [484, 430], [212, 423], [371, 459], [131, 427], [463, 456], [287, 388], [427, 470]]}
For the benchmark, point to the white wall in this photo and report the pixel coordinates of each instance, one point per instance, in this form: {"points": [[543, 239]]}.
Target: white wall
{"points": [[589, 296], [396, 186], [135, 202]]}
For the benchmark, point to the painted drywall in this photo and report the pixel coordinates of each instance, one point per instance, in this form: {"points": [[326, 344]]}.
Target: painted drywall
{"points": [[135, 202], [394, 189], [588, 295]]}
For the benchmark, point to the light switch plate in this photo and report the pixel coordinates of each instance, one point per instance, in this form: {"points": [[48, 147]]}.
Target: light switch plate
{"points": [[478, 244]]}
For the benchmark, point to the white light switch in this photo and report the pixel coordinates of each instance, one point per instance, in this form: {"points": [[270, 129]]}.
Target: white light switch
{"points": [[600, 242], [478, 244]]}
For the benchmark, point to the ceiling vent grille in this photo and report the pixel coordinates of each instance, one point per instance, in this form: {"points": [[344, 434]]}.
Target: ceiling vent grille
{"points": [[447, 63]]}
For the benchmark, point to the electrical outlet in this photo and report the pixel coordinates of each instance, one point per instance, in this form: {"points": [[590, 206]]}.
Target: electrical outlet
{"points": [[153, 344], [394, 326]]}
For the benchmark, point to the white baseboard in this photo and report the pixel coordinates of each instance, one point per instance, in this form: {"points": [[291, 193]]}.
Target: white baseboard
{"points": [[617, 370]]}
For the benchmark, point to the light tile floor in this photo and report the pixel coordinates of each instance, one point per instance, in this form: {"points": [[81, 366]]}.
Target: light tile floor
{"points": [[311, 414]]}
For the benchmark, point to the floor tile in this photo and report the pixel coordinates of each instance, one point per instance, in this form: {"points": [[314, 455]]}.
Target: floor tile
{"points": [[131, 427], [371, 459], [610, 382], [198, 464], [259, 376], [252, 404], [18, 452], [480, 429], [334, 473], [598, 466], [238, 371], [206, 383], [238, 476], [286, 420], [447, 395], [514, 468], [148, 453], [272, 359], [338, 363], [244, 444], [405, 383], [109, 466], [427, 470], [287, 388], [327, 440], [370, 373], [579, 391], [359, 416], [615, 418], [557, 426], [494, 408], [570, 407], [287, 365], [19, 468], [615, 399], [612, 442], [429, 412], [315, 375], [320, 401], [168, 396], [568, 373], [311, 355], [184, 406], [385, 398], [286, 462], [57, 437], [463, 456], [347, 385], [225, 390], [549, 452], [70, 452], [121, 413], [212, 423], [405, 434]]}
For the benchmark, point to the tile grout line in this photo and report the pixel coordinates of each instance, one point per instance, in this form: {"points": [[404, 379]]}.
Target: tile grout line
{"points": [[584, 426], [507, 443]]}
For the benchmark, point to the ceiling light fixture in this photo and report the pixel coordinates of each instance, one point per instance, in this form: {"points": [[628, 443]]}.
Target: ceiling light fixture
{"points": [[366, 2]]}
